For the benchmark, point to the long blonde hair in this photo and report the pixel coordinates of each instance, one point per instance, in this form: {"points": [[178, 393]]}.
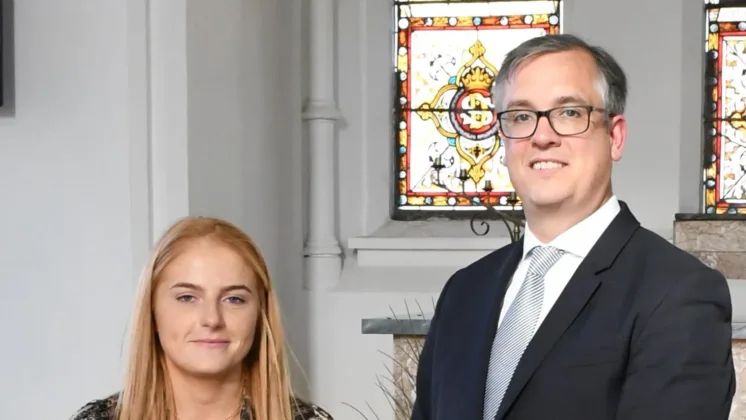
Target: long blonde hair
{"points": [[146, 394]]}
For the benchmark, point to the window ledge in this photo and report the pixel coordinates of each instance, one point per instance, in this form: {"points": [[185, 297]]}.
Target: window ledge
{"points": [[431, 243], [418, 256], [415, 256], [440, 243], [425, 244]]}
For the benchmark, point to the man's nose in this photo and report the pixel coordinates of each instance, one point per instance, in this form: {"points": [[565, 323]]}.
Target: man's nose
{"points": [[544, 135]]}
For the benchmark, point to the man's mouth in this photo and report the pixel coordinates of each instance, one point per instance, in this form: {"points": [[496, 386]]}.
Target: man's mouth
{"points": [[542, 165]]}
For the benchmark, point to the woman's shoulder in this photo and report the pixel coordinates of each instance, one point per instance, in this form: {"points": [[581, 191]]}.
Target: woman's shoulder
{"points": [[102, 409], [105, 408], [303, 410]]}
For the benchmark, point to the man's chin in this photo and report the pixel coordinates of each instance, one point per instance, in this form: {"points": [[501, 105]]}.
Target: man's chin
{"points": [[545, 200]]}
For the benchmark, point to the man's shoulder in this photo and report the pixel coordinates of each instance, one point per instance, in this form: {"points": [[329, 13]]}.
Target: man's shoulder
{"points": [[494, 259], [470, 279], [304, 410], [660, 252], [101, 409]]}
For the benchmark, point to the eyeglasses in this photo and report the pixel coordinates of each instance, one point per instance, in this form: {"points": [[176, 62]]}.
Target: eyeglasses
{"points": [[564, 120]]}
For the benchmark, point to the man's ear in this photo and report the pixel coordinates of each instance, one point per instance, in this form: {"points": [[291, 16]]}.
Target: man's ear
{"points": [[617, 136]]}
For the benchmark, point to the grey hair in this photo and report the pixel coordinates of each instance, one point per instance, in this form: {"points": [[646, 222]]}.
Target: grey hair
{"points": [[612, 82]]}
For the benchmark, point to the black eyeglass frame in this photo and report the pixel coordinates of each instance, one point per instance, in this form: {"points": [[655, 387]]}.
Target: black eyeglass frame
{"points": [[546, 113]]}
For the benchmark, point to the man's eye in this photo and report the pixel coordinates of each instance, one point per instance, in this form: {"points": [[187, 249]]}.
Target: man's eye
{"points": [[570, 112], [522, 117]]}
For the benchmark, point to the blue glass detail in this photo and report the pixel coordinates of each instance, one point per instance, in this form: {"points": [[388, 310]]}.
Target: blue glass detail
{"points": [[452, 80], [402, 150], [452, 141], [428, 200], [402, 200], [477, 21]]}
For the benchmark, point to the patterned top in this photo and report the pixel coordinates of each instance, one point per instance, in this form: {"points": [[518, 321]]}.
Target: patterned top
{"points": [[105, 410]]}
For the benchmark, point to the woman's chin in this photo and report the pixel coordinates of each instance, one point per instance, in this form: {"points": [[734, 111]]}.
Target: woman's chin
{"points": [[211, 369]]}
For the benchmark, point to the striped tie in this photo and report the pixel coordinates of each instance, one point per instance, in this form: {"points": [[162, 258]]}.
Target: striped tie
{"points": [[517, 328]]}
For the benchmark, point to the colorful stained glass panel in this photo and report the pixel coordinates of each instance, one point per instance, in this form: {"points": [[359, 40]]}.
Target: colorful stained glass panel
{"points": [[449, 153], [725, 111]]}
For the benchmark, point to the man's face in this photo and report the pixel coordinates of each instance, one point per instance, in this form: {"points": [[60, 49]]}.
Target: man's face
{"points": [[555, 171]]}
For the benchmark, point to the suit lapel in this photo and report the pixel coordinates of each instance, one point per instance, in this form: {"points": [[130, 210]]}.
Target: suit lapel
{"points": [[579, 290], [491, 294]]}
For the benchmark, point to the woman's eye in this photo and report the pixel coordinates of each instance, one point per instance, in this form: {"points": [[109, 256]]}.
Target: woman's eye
{"points": [[235, 299], [185, 298]]}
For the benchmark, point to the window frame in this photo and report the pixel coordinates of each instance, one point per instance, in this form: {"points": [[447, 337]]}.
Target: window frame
{"points": [[710, 119], [453, 213]]}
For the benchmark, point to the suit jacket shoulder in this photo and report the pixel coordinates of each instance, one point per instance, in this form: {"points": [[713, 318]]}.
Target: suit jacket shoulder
{"points": [[105, 409], [662, 264], [665, 253], [488, 263]]}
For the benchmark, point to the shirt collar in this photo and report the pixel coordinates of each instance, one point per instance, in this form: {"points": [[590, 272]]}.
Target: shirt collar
{"points": [[579, 239]]}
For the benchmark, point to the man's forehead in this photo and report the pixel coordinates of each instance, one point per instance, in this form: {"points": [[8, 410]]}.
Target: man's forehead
{"points": [[553, 79]]}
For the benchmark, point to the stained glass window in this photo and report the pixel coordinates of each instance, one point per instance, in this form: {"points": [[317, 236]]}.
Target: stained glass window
{"points": [[449, 155], [725, 107]]}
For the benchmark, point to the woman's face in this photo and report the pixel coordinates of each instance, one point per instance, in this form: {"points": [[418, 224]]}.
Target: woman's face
{"points": [[206, 307]]}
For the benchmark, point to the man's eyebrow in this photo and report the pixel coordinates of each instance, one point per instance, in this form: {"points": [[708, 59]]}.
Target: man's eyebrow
{"points": [[520, 103], [561, 101], [570, 100]]}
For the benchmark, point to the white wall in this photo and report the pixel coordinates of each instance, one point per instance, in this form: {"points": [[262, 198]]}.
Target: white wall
{"points": [[69, 233], [126, 123]]}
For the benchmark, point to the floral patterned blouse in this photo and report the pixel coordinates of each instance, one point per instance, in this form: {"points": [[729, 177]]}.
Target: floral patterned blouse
{"points": [[105, 409]]}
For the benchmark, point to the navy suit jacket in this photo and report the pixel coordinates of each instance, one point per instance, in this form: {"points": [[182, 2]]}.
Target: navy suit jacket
{"points": [[641, 332]]}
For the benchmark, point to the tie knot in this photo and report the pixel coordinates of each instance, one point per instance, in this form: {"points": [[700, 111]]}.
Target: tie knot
{"points": [[543, 258]]}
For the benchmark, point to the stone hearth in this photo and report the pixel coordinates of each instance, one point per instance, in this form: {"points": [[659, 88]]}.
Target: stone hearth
{"points": [[718, 241]]}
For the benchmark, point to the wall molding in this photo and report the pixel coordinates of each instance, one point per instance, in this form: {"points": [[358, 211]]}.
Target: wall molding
{"points": [[168, 100], [139, 133]]}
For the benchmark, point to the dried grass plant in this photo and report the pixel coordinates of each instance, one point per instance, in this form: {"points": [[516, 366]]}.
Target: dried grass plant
{"points": [[399, 383]]}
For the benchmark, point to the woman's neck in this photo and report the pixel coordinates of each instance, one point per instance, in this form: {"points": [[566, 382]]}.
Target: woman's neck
{"points": [[206, 398]]}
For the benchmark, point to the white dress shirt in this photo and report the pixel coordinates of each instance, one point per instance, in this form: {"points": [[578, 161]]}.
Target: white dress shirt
{"points": [[576, 242]]}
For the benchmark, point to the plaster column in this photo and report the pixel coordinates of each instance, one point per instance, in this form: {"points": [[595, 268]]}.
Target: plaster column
{"points": [[168, 101], [323, 255]]}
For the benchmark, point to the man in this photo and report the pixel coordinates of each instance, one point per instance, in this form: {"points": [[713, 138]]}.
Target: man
{"points": [[589, 316]]}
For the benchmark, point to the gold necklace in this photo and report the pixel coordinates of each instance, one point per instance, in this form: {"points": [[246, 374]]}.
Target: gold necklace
{"points": [[234, 414]]}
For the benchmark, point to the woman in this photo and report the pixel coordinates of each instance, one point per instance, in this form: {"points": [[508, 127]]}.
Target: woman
{"points": [[207, 342]]}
